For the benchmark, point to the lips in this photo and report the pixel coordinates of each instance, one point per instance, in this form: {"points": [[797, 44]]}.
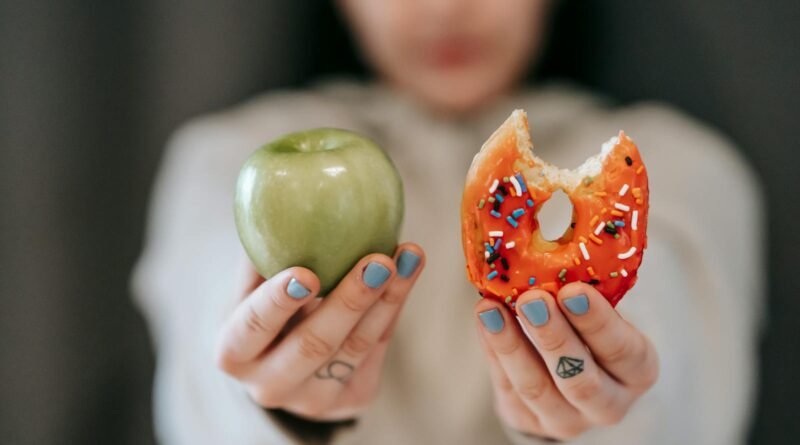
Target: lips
{"points": [[453, 52]]}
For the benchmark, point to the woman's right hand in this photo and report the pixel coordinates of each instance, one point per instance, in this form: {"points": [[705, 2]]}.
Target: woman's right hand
{"points": [[317, 358]]}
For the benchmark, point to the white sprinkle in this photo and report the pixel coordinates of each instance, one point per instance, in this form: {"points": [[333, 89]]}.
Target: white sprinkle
{"points": [[584, 251], [496, 234], [510, 245], [623, 190], [516, 185], [599, 228], [634, 219], [494, 186], [628, 254], [623, 272], [486, 254], [622, 207]]}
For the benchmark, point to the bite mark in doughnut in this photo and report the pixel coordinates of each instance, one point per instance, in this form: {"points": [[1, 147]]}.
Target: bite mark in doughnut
{"points": [[506, 187]]}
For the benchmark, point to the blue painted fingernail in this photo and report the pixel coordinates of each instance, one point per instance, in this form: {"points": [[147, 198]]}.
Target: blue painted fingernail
{"points": [[407, 263], [492, 320], [375, 275], [578, 304], [296, 290], [536, 312]]}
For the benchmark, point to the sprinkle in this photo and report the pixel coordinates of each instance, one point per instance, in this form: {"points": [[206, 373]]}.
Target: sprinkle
{"points": [[502, 190], [492, 274], [513, 304], [514, 291], [628, 254], [639, 170], [619, 223], [623, 272], [617, 213], [603, 212], [576, 260], [637, 192], [530, 203], [496, 205], [599, 228], [497, 245], [628, 161], [588, 180], [505, 179], [486, 254], [616, 236], [623, 190], [611, 230], [508, 299], [595, 239], [572, 225], [510, 245], [594, 220], [504, 278], [488, 247], [613, 275], [504, 262], [583, 239], [562, 275], [491, 199], [530, 163], [517, 187], [634, 219], [639, 201], [594, 281], [492, 265], [499, 197], [512, 221], [584, 251], [493, 257], [496, 233], [481, 203], [521, 182], [517, 213], [622, 207], [590, 270], [512, 192], [531, 281], [600, 194], [495, 213], [495, 183]]}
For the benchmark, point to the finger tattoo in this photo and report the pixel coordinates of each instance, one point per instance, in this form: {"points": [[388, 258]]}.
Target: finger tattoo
{"points": [[569, 367], [337, 370]]}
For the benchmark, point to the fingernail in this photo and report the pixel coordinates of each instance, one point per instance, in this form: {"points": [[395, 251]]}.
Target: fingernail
{"points": [[296, 290], [536, 312], [578, 304], [407, 263], [492, 320], [375, 275]]}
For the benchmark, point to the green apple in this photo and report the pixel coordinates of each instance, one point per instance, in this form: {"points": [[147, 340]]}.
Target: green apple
{"points": [[320, 199]]}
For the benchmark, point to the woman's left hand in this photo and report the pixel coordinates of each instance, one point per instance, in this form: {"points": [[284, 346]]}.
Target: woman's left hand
{"points": [[583, 366]]}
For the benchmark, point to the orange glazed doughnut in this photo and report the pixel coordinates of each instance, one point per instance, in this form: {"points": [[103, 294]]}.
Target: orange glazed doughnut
{"points": [[505, 189]]}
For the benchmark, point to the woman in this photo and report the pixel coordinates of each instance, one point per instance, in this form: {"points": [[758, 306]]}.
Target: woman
{"points": [[269, 363]]}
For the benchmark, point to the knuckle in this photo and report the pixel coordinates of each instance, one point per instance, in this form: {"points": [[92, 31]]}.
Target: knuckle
{"points": [[587, 388], [623, 350], [357, 301], [504, 384], [533, 390], [550, 340], [256, 324], [611, 417], [567, 431], [225, 361], [508, 347], [314, 347], [597, 327], [356, 344]]}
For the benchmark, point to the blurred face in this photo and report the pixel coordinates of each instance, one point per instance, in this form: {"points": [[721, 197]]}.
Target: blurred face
{"points": [[453, 55]]}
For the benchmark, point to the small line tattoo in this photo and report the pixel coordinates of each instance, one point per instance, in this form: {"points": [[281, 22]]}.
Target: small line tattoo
{"points": [[569, 367], [337, 370]]}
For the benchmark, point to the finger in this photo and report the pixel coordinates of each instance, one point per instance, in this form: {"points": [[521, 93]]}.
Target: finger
{"points": [[314, 341], [616, 345], [581, 381], [525, 369], [258, 319]]}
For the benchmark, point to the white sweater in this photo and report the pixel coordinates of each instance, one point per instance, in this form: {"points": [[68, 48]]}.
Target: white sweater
{"points": [[699, 295]]}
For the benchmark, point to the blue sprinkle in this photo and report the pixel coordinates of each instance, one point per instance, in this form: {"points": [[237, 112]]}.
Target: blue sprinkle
{"points": [[492, 274], [497, 244], [531, 281], [521, 182], [530, 203], [495, 214], [498, 197], [489, 248], [517, 213], [512, 222], [619, 223]]}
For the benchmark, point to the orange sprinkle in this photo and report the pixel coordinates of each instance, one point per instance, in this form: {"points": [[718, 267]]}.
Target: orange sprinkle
{"points": [[594, 220], [514, 291], [576, 261], [583, 240], [603, 212], [639, 201], [590, 270], [601, 194], [595, 239], [511, 191], [549, 287], [617, 213], [639, 170], [637, 192], [530, 163]]}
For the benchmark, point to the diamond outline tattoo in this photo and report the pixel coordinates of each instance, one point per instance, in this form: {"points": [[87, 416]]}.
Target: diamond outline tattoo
{"points": [[569, 367]]}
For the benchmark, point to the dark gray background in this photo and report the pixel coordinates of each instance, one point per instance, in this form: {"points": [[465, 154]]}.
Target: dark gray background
{"points": [[90, 90]]}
